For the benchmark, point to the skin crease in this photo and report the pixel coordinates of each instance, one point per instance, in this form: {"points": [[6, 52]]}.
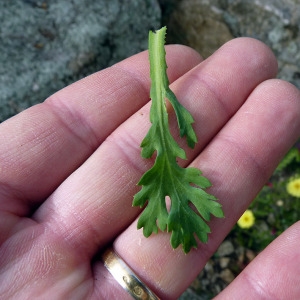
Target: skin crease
{"points": [[69, 169]]}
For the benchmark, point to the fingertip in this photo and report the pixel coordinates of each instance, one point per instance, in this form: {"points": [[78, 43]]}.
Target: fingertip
{"points": [[250, 52], [283, 99], [285, 89]]}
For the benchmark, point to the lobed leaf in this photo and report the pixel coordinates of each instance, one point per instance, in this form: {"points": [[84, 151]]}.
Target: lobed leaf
{"points": [[190, 205]]}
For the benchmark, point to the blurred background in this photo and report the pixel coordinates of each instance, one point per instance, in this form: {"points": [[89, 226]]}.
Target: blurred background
{"points": [[46, 45]]}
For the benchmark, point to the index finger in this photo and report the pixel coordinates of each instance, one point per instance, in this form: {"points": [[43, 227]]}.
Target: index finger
{"points": [[41, 146]]}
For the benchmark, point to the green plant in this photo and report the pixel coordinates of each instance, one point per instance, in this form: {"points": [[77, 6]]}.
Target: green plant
{"points": [[184, 186], [275, 208], [292, 156]]}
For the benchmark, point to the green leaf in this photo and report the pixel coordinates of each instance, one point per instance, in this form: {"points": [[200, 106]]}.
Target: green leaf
{"points": [[190, 206]]}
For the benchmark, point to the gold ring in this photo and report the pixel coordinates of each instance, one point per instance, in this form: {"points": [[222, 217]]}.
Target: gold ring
{"points": [[126, 277]]}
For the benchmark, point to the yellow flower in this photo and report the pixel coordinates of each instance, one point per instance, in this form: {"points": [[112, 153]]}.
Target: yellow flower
{"points": [[247, 219], [293, 187]]}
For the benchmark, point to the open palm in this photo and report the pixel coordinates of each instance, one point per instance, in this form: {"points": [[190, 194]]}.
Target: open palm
{"points": [[69, 168]]}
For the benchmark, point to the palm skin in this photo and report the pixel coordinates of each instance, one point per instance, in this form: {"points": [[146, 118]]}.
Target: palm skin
{"points": [[69, 169]]}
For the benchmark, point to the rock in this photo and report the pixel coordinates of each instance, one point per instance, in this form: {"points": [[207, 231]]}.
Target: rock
{"points": [[227, 276], [189, 294], [205, 25], [46, 45], [250, 255], [225, 249], [274, 22], [224, 262], [209, 267]]}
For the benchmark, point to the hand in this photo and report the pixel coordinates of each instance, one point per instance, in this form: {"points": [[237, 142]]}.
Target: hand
{"points": [[69, 169]]}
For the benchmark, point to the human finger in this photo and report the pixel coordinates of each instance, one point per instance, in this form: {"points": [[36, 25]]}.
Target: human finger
{"points": [[273, 274], [41, 146]]}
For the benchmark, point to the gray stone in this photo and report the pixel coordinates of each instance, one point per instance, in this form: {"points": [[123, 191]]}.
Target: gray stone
{"points": [[224, 262], [225, 249], [189, 294], [227, 276], [46, 45], [276, 23], [209, 267]]}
